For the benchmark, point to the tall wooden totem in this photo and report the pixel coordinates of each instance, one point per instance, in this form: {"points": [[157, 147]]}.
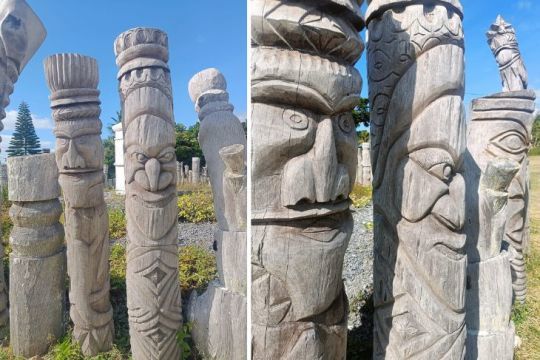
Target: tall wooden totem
{"points": [[153, 289], [73, 81], [303, 165], [416, 86]]}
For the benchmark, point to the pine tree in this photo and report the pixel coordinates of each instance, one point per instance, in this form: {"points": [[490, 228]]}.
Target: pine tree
{"points": [[24, 140]]}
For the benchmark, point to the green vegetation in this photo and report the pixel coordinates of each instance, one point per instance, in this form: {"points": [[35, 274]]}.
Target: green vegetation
{"points": [[117, 224], [197, 268], [361, 195], [527, 316], [187, 143], [24, 140], [5, 220], [196, 207]]}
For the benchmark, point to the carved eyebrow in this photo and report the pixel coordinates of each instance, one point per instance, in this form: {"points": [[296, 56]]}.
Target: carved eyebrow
{"points": [[76, 133]]}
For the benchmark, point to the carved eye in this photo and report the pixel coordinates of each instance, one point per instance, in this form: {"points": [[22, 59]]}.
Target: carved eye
{"points": [[443, 171], [512, 142], [296, 119], [166, 157], [346, 123], [141, 158], [62, 141]]}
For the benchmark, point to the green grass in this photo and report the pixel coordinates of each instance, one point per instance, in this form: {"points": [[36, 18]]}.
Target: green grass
{"points": [[360, 195], [527, 317]]}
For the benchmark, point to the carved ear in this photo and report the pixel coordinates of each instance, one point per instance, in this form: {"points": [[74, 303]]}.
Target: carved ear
{"points": [[22, 32]]}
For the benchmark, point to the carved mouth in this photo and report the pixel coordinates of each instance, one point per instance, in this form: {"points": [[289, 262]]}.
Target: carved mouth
{"points": [[152, 199], [453, 248], [77, 170]]}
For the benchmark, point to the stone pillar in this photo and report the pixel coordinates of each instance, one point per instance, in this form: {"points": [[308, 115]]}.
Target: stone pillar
{"points": [[153, 289], [497, 201], [219, 315], [3, 176], [196, 168], [73, 81], [416, 85], [106, 174], [21, 35], [366, 165], [179, 175], [38, 261], [303, 166], [120, 178], [359, 169], [190, 176], [511, 114], [187, 173]]}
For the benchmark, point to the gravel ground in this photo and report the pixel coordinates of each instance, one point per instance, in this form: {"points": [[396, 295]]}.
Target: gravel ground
{"points": [[196, 234], [358, 278]]}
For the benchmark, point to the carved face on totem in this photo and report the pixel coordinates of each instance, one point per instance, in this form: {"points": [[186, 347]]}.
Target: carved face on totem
{"points": [[150, 164], [76, 150], [21, 34]]}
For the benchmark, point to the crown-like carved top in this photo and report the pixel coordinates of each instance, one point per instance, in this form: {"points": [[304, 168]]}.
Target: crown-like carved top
{"points": [[71, 71], [501, 35], [141, 42], [21, 31], [206, 80], [377, 7]]}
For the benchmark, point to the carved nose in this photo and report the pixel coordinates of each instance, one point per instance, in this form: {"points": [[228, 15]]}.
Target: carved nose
{"points": [[72, 159], [152, 169], [450, 209], [325, 162]]}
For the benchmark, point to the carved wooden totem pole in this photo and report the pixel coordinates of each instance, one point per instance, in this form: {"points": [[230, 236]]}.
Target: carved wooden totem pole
{"points": [[514, 109], [153, 289], [21, 34], [219, 316], [498, 141], [416, 85], [38, 261], [73, 81], [304, 162]]}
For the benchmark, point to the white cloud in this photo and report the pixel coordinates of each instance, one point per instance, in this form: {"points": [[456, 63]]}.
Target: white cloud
{"points": [[39, 121], [524, 4]]}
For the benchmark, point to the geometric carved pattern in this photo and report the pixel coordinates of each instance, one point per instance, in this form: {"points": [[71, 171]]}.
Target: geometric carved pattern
{"points": [[153, 289], [416, 84]]}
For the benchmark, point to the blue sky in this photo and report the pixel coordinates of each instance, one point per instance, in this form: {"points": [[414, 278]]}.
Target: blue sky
{"points": [[482, 73], [202, 34], [212, 33]]}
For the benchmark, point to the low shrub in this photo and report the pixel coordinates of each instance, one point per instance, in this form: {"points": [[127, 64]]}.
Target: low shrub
{"points": [[197, 267], [535, 151], [117, 224], [361, 195], [196, 207]]}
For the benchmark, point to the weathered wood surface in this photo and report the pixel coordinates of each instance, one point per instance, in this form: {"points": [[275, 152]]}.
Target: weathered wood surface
{"points": [[303, 166], [38, 261], [153, 290], [416, 86], [21, 34], [512, 115], [219, 316], [73, 81]]}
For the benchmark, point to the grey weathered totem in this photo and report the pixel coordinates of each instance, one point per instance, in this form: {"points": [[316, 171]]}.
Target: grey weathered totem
{"points": [[38, 260], [512, 116], [416, 85], [21, 34], [73, 81], [219, 315], [303, 166], [153, 289]]}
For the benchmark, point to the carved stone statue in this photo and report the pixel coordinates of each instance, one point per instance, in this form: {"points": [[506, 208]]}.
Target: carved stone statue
{"points": [[416, 86], [303, 165], [38, 262], [119, 169], [219, 316], [503, 43], [196, 168], [366, 164], [153, 289], [511, 117], [21, 34], [73, 81]]}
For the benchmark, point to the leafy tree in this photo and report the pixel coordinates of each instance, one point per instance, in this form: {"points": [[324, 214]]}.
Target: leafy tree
{"points": [[536, 132], [187, 143], [363, 136], [108, 145], [24, 140], [361, 113]]}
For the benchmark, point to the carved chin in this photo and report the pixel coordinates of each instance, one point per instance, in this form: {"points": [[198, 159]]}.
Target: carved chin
{"points": [[82, 190], [153, 222]]}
